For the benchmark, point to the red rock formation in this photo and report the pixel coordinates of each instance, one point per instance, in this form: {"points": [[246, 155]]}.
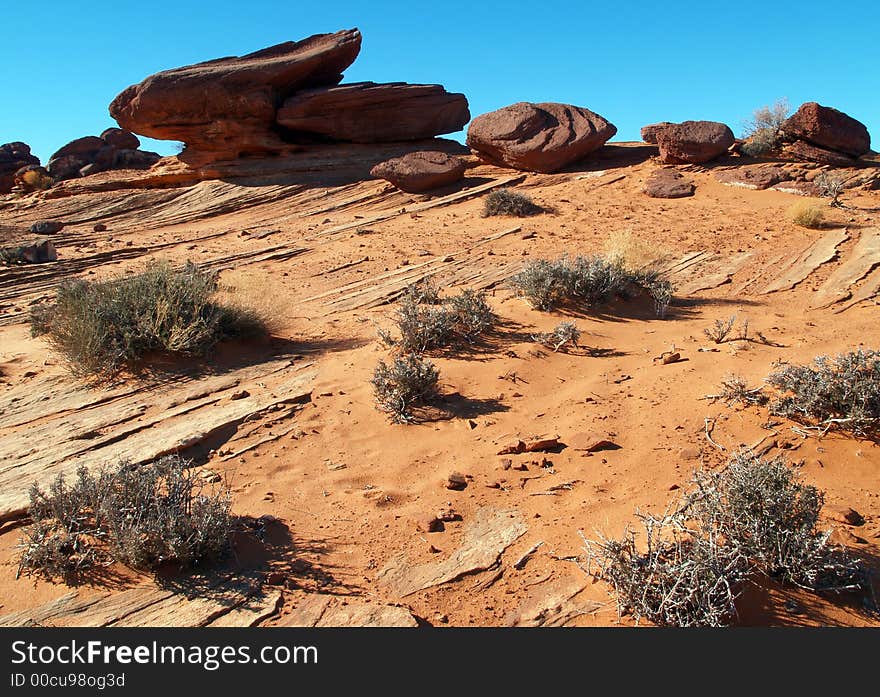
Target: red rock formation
{"points": [[366, 112], [693, 142], [649, 132], [827, 128], [227, 106], [667, 183], [14, 156], [421, 171], [538, 137], [801, 150]]}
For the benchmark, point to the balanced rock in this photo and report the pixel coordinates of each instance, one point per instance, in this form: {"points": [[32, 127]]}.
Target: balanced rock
{"points": [[14, 156], [541, 137], [828, 128], [366, 112], [421, 171], [667, 183], [693, 142], [227, 106]]}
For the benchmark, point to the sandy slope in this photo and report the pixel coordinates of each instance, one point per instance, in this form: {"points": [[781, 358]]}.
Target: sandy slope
{"points": [[350, 485]]}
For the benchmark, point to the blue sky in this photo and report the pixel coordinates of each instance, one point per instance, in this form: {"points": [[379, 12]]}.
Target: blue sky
{"points": [[633, 62]]}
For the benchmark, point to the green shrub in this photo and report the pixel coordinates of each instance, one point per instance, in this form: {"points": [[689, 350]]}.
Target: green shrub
{"points": [[407, 383], [587, 281], [100, 326], [142, 516], [509, 202]]}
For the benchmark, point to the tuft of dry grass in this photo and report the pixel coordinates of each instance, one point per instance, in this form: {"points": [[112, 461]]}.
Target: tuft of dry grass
{"points": [[626, 249], [807, 215]]}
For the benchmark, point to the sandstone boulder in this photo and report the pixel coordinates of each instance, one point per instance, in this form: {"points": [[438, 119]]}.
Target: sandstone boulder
{"points": [[121, 139], [135, 159], [541, 137], [14, 156], [366, 112], [47, 227], [827, 128], [32, 178], [227, 106], [649, 132], [693, 142], [420, 171], [667, 183]]}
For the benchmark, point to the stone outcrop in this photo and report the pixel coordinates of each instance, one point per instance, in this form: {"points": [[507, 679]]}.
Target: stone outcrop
{"points": [[761, 177], [14, 156], [692, 142], [421, 171], [827, 128], [806, 152], [541, 137], [227, 106], [667, 183], [281, 100], [366, 112]]}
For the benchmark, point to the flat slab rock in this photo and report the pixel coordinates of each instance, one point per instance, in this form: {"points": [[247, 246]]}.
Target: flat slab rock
{"points": [[367, 112], [492, 531], [753, 177], [667, 183], [321, 610], [542, 137]]}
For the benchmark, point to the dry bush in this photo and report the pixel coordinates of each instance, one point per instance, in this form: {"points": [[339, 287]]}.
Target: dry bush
{"points": [[256, 293], [563, 333], [721, 329], [806, 215], [841, 392], [830, 186], [753, 517], [422, 327], [734, 389], [509, 202], [587, 281], [762, 131], [720, 332], [626, 249], [101, 325], [407, 383], [34, 180], [141, 515]]}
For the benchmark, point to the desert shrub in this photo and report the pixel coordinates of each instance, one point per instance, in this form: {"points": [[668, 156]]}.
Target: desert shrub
{"points": [[471, 313], [407, 383], [766, 513], [588, 281], [841, 392], [141, 515], [35, 180], [762, 131], [562, 334], [625, 248], [734, 389], [509, 202], [424, 292], [99, 326], [806, 215], [423, 327], [720, 330], [678, 578], [752, 517], [830, 186]]}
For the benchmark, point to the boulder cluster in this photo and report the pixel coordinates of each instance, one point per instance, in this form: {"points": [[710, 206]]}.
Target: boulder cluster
{"points": [[270, 101], [115, 148], [14, 158]]}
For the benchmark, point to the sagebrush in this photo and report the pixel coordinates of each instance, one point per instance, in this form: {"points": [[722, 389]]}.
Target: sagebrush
{"points": [[407, 383], [754, 517], [588, 281], [840, 392], [144, 516], [762, 131], [100, 326], [509, 202], [426, 322], [561, 335]]}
